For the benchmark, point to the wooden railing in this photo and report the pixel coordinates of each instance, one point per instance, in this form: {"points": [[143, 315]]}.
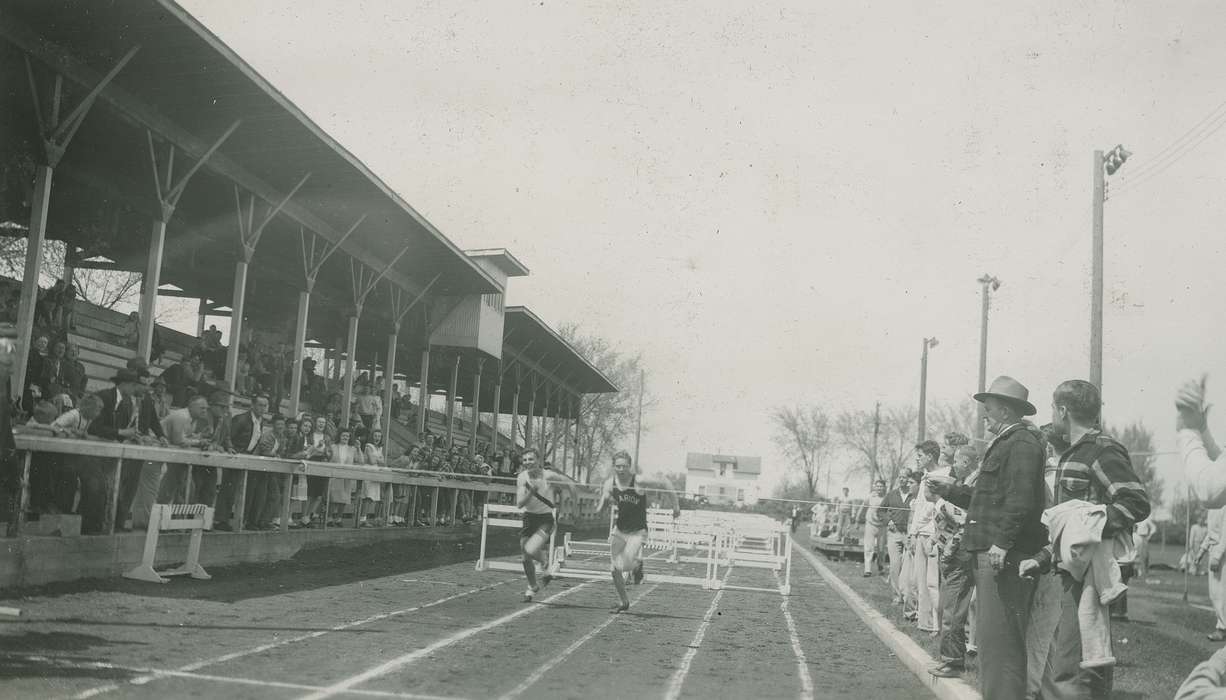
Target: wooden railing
{"points": [[118, 452]]}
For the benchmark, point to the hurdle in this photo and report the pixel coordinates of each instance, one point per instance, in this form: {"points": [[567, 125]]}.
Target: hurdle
{"points": [[488, 520], [761, 545], [196, 518]]}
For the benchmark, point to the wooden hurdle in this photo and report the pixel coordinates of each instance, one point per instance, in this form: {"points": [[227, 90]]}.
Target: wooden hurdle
{"points": [[488, 520], [196, 518]]}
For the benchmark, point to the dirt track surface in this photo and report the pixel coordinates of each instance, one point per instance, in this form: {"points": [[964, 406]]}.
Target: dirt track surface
{"points": [[413, 619]]}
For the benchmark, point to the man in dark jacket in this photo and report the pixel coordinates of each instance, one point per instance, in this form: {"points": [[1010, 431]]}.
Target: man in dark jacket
{"points": [[244, 435], [1003, 527], [118, 422]]}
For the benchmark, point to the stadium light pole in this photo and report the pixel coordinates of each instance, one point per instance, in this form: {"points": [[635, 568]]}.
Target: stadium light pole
{"points": [[928, 343], [989, 284], [1103, 165]]}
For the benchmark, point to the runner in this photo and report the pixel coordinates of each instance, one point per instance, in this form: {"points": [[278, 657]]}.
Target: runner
{"points": [[533, 492], [630, 530]]}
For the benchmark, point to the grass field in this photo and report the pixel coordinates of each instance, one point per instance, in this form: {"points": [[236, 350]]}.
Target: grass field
{"points": [[1157, 647]]}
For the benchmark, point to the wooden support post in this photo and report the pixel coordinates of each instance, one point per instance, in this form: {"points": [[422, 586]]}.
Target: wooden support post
{"points": [[237, 305], [149, 288], [351, 366], [579, 438], [29, 283], [515, 415], [300, 329], [545, 426], [570, 407], [497, 413], [113, 518], [389, 374], [287, 491], [531, 416], [472, 440], [451, 391], [423, 410], [201, 314]]}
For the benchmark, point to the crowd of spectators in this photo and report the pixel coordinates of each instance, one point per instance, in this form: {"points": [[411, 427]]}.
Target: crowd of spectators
{"points": [[1018, 552]]}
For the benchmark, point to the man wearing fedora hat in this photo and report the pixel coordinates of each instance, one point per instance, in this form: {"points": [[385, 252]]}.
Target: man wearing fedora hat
{"points": [[1002, 528], [118, 422]]}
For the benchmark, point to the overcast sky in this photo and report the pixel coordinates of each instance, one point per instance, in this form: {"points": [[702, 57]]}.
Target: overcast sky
{"points": [[775, 203]]}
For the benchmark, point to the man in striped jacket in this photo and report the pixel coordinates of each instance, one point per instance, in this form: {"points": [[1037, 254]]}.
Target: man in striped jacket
{"points": [[1095, 468]]}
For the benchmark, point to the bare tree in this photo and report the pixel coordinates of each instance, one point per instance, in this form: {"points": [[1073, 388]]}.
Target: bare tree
{"points": [[104, 288], [894, 442], [803, 434], [953, 417], [607, 421], [1139, 440]]}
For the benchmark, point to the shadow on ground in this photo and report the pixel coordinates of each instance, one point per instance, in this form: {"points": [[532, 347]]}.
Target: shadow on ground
{"points": [[310, 568]]}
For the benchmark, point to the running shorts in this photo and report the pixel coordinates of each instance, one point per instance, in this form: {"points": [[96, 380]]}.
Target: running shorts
{"points": [[534, 522], [625, 548]]}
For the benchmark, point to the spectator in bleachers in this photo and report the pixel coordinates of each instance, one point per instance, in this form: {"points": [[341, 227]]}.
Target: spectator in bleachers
{"points": [[340, 491], [118, 422], [74, 424], [318, 449], [396, 399], [59, 397], [131, 331], [44, 466], [213, 353], [54, 367], [298, 446], [183, 379], [75, 378], [369, 405], [278, 368], [149, 425], [372, 491], [264, 489], [187, 429], [35, 369], [243, 383], [243, 436]]}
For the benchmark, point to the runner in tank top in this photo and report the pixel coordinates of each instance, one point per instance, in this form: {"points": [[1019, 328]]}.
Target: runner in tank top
{"points": [[627, 493], [534, 488]]}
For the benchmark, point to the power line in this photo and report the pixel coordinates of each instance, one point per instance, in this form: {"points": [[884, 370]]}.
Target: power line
{"points": [[1171, 146], [1159, 165]]}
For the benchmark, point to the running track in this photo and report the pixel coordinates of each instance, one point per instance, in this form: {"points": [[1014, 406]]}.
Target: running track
{"points": [[451, 632]]}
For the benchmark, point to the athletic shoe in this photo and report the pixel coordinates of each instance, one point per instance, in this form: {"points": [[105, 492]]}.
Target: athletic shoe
{"points": [[529, 593], [868, 574], [1217, 636], [619, 608]]}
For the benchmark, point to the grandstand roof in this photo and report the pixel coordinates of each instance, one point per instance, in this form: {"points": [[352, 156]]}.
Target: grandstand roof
{"points": [[528, 337], [186, 87]]}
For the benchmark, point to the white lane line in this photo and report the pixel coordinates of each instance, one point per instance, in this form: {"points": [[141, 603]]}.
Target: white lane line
{"points": [[678, 679], [806, 681], [401, 661], [534, 677], [102, 665], [196, 666]]}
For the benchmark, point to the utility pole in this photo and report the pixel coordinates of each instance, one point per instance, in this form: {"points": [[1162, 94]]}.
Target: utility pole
{"points": [[985, 282], [638, 431], [1096, 272], [928, 343], [1103, 166]]}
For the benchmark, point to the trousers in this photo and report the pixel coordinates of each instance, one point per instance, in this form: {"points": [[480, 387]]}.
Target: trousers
{"points": [[1004, 600]]}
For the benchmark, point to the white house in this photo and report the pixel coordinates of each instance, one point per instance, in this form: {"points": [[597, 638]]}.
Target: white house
{"points": [[729, 479]]}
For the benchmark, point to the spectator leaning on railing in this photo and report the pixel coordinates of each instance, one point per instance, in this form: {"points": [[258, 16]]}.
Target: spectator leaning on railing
{"points": [[186, 429]]}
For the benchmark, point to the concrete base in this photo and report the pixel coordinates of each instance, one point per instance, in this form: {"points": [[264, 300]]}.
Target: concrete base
{"points": [[34, 561]]}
